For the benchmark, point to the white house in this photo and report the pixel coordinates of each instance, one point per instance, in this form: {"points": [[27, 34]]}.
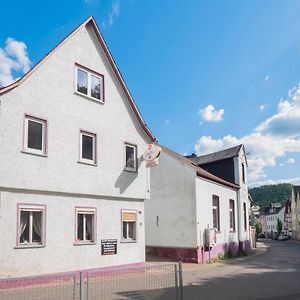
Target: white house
{"points": [[295, 213], [274, 212], [72, 181], [186, 200]]}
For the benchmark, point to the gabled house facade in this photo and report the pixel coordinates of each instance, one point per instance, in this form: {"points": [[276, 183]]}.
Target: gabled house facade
{"points": [[72, 180], [273, 213], [186, 201], [230, 165], [295, 212]]}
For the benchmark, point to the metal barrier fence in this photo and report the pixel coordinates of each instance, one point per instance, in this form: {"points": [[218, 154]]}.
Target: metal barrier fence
{"points": [[143, 283]]}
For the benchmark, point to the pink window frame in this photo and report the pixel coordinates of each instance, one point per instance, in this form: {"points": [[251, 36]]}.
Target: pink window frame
{"points": [[135, 157], [33, 206], [136, 226], [86, 161], [45, 134], [87, 209], [92, 72]]}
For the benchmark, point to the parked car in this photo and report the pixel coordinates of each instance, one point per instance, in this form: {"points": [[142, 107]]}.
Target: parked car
{"points": [[283, 237], [261, 235]]}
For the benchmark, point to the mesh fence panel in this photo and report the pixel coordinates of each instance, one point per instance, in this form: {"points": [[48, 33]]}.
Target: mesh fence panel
{"points": [[156, 282], [143, 283], [39, 288]]}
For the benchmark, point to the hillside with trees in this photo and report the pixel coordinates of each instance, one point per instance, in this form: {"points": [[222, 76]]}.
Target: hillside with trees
{"points": [[266, 194]]}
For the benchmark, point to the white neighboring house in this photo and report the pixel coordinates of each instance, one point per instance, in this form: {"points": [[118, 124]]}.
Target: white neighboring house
{"points": [[295, 212], [185, 200], [72, 181], [274, 212]]}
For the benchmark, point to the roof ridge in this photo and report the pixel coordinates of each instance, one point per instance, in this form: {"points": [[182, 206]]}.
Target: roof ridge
{"points": [[109, 58]]}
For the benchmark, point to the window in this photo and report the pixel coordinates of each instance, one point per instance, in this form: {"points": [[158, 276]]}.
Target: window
{"points": [[232, 215], [87, 147], [89, 83], [130, 157], [216, 212], [31, 224], [129, 225], [35, 135], [243, 172], [85, 225], [245, 216]]}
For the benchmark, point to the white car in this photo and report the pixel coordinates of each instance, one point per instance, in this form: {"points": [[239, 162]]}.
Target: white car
{"points": [[283, 237]]}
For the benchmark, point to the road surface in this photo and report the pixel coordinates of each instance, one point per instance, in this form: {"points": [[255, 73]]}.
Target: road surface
{"points": [[272, 273]]}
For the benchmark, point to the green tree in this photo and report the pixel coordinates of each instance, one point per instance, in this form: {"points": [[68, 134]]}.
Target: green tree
{"points": [[258, 228], [279, 226], [266, 194]]}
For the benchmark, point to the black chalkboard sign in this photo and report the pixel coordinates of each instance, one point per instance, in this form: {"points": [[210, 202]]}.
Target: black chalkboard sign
{"points": [[108, 247]]}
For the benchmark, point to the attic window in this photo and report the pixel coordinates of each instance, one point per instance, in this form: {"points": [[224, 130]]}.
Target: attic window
{"points": [[89, 83]]}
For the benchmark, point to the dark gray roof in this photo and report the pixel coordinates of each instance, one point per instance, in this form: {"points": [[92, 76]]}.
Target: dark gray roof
{"points": [[216, 156], [199, 171]]}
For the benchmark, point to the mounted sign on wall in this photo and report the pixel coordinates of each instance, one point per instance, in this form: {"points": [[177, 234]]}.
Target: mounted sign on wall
{"points": [[108, 247]]}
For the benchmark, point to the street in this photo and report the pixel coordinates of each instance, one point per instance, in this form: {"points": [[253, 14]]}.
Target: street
{"points": [[272, 273]]}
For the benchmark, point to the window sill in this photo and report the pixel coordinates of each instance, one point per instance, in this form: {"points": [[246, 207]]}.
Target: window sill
{"points": [[84, 243], [33, 153], [130, 170], [89, 97], [128, 241], [29, 246], [88, 163], [218, 231]]}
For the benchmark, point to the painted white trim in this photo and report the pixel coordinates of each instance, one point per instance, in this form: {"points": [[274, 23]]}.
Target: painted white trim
{"points": [[44, 135], [134, 147], [92, 161], [89, 85]]}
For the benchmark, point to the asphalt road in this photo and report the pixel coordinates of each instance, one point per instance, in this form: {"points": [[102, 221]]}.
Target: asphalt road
{"points": [[272, 273]]}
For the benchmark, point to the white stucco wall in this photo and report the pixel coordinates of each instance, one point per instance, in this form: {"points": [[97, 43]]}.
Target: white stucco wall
{"points": [[49, 94], [58, 180], [205, 189], [173, 203], [272, 221], [60, 254], [242, 195]]}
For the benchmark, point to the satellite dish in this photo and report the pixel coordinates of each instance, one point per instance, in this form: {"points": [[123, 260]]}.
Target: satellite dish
{"points": [[255, 208], [152, 152]]}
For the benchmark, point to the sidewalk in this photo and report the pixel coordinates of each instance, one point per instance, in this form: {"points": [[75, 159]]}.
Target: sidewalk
{"points": [[194, 274]]}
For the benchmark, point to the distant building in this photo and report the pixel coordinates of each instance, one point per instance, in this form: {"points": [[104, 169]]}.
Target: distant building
{"points": [[273, 212], [295, 212]]}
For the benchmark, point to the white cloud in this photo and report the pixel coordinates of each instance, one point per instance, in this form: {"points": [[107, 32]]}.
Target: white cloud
{"points": [[287, 119], [262, 107], [115, 11], [290, 161], [13, 58], [267, 77], [210, 114], [167, 122], [113, 14], [274, 138]]}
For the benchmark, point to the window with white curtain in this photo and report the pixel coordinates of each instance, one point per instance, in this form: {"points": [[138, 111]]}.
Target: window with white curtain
{"points": [[31, 225], [85, 225]]}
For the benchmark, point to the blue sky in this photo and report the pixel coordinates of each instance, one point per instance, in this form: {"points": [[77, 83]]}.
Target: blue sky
{"points": [[205, 74]]}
